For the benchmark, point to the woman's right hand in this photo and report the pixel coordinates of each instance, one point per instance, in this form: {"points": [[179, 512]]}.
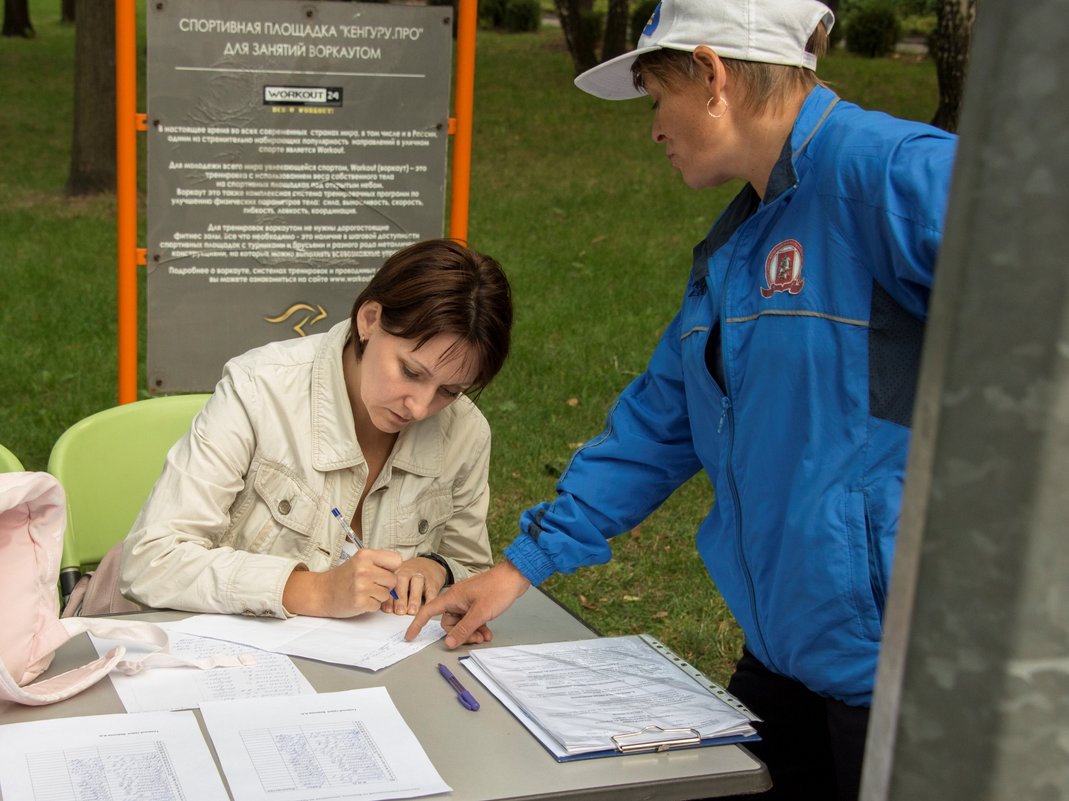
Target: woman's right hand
{"points": [[358, 585]]}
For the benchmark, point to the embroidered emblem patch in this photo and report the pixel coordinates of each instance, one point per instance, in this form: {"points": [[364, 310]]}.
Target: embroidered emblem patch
{"points": [[783, 269]]}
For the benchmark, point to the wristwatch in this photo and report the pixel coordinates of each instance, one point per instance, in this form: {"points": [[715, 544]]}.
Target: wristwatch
{"points": [[442, 561]]}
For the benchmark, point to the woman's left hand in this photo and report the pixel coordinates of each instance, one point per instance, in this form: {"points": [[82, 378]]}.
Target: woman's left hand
{"points": [[418, 580]]}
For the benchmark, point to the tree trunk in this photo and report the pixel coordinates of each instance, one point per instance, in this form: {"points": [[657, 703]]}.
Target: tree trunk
{"points": [[92, 167], [950, 50], [580, 33], [17, 19], [66, 11], [616, 30], [582, 27]]}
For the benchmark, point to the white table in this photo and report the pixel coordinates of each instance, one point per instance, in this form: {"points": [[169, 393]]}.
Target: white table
{"points": [[485, 755]]}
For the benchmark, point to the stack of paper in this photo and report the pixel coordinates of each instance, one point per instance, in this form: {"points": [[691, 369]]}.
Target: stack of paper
{"points": [[609, 695], [347, 746]]}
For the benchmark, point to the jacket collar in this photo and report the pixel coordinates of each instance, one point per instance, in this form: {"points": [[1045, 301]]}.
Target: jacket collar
{"points": [[787, 170], [785, 175], [420, 448]]}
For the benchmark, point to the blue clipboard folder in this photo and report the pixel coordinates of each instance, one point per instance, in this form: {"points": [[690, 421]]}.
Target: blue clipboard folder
{"points": [[524, 703]]}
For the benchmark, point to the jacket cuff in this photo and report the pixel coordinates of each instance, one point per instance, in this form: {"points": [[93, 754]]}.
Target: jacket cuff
{"points": [[530, 560], [258, 585]]}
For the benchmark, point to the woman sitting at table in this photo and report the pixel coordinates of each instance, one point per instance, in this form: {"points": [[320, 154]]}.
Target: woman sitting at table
{"points": [[372, 418]]}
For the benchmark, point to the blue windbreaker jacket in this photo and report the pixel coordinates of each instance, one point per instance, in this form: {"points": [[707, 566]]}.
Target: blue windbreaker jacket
{"points": [[809, 307]]}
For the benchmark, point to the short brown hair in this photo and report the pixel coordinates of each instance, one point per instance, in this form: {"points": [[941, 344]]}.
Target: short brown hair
{"points": [[762, 84], [438, 286]]}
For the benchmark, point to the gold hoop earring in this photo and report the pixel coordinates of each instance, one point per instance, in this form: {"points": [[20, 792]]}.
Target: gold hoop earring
{"points": [[709, 110]]}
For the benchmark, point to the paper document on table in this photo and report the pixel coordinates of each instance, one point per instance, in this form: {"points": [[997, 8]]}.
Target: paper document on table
{"points": [[154, 755], [610, 695], [372, 641], [346, 745], [165, 689]]}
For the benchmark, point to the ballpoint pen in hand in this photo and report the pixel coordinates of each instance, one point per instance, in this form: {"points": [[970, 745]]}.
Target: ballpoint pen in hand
{"points": [[465, 698], [350, 537]]}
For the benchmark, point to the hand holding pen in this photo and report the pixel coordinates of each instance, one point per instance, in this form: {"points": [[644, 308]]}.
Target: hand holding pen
{"points": [[352, 543], [357, 585]]}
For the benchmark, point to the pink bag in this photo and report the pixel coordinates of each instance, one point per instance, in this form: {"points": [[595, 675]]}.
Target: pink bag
{"points": [[33, 514]]}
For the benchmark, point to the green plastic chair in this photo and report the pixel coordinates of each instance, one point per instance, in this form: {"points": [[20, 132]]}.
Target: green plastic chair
{"points": [[9, 462], [107, 464]]}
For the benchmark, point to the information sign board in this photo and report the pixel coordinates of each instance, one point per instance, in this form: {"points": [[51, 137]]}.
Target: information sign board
{"points": [[292, 146]]}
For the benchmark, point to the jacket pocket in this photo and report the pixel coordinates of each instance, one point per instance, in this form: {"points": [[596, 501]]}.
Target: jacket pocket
{"points": [[876, 571], [286, 514], [423, 520], [869, 591]]}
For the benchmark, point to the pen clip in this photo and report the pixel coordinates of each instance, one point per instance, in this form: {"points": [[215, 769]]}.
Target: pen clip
{"points": [[467, 700]]}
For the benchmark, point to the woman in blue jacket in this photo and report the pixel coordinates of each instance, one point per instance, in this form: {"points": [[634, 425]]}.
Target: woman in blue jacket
{"points": [[788, 373]]}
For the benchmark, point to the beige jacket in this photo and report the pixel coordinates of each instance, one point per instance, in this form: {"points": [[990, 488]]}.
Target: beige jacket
{"points": [[247, 494]]}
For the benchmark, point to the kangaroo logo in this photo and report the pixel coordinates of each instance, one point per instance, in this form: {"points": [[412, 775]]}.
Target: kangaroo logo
{"points": [[312, 315]]}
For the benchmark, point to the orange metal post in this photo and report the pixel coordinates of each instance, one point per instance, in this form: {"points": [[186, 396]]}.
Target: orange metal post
{"points": [[464, 103], [126, 192]]}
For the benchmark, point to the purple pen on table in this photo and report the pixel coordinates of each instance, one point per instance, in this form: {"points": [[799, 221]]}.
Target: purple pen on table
{"points": [[354, 544], [466, 699]]}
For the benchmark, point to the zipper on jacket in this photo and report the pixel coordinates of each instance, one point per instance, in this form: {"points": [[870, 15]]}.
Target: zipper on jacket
{"points": [[726, 411], [741, 553]]}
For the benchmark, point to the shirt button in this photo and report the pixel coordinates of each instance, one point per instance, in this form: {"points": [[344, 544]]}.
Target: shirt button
{"points": [[283, 507], [422, 526]]}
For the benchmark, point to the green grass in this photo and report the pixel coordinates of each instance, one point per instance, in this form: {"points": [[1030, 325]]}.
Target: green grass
{"points": [[592, 224]]}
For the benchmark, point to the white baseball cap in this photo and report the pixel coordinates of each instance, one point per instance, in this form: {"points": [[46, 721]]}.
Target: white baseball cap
{"points": [[769, 31]]}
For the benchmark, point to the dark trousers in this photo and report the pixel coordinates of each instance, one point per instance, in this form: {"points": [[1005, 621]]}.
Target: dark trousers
{"points": [[813, 746]]}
